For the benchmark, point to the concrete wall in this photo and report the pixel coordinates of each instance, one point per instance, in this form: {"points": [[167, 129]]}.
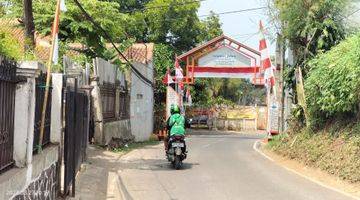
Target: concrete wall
{"points": [[35, 181], [233, 118], [117, 129], [236, 124], [142, 103]]}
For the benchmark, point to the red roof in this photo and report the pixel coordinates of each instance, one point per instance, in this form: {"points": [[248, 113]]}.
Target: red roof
{"points": [[140, 52], [13, 26]]}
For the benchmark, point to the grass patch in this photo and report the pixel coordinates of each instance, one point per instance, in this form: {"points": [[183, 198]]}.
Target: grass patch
{"points": [[136, 145], [335, 150]]}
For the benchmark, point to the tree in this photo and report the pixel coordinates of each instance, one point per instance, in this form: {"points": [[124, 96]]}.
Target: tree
{"points": [[173, 22], [75, 28], [29, 26], [176, 25], [311, 26], [210, 28], [163, 59]]}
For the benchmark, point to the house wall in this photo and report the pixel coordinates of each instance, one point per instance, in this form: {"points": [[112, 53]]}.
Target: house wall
{"points": [[142, 103], [105, 72]]}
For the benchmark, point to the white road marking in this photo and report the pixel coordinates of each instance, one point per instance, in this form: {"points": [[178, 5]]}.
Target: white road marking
{"points": [[256, 148]]}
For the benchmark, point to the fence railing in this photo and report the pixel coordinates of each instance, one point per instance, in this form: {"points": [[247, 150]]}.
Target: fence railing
{"points": [[39, 99], [108, 97], [7, 111]]}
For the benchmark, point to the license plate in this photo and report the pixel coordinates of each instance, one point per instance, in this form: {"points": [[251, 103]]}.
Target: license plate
{"points": [[177, 144]]}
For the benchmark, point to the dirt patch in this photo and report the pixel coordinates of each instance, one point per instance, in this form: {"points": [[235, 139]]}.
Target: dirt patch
{"points": [[315, 174]]}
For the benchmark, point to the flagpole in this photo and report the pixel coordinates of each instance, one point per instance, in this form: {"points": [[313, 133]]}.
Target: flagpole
{"points": [[48, 75]]}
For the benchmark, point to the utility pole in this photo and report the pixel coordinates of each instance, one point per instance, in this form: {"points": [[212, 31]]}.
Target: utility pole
{"points": [[279, 69], [29, 25], [282, 85]]}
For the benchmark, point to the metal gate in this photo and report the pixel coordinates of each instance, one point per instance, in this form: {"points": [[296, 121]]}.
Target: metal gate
{"points": [[76, 133], [7, 111]]}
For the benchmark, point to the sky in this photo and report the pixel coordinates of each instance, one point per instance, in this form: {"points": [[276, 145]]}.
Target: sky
{"points": [[239, 26], [242, 26]]}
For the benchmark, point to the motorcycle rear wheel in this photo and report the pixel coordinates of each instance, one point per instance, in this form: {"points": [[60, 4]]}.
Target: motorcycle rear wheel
{"points": [[177, 162]]}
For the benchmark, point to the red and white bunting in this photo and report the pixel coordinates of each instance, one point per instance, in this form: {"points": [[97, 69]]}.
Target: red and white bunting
{"points": [[265, 60]]}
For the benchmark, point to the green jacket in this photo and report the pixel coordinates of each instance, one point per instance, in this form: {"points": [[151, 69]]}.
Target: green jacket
{"points": [[177, 124]]}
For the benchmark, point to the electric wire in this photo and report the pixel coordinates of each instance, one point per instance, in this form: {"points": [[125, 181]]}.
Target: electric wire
{"points": [[164, 6], [234, 11], [132, 67]]}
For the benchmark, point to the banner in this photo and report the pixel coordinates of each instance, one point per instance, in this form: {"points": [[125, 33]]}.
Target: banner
{"points": [[273, 114]]}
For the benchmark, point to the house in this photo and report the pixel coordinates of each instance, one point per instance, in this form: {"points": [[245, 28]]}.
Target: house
{"points": [[142, 93]]}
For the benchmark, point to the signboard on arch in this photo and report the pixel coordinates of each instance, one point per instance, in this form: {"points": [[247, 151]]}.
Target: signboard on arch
{"points": [[226, 62]]}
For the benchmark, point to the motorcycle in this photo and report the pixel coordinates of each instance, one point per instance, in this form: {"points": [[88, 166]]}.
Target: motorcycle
{"points": [[176, 151]]}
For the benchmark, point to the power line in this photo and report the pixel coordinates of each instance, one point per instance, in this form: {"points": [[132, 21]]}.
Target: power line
{"points": [[164, 6], [242, 35], [349, 15], [208, 15], [234, 11], [133, 69], [248, 38]]}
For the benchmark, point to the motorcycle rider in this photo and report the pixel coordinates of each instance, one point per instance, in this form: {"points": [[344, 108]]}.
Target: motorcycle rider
{"points": [[175, 124]]}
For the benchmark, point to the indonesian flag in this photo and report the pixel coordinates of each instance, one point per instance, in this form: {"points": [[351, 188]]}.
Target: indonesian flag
{"points": [[265, 60], [178, 71], [55, 32], [167, 80]]}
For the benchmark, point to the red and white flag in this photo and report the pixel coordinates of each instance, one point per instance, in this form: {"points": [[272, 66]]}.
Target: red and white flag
{"points": [[167, 80], [178, 71], [265, 60], [55, 32]]}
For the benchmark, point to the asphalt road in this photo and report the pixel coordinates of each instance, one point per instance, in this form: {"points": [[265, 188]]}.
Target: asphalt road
{"points": [[218, 167]]}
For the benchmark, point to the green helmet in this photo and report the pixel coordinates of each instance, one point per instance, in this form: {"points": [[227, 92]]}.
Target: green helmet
{"points": [[174, 109]]}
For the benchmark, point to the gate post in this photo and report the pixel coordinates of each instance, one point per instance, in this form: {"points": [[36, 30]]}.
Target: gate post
{"points": [[56, 108], [25, 113]]}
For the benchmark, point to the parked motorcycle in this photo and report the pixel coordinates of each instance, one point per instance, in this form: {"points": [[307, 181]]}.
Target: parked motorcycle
{"points": [[176, 151]]}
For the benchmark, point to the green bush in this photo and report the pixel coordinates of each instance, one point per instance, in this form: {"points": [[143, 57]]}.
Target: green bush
{"points": [[10, 47], [332, 85]]}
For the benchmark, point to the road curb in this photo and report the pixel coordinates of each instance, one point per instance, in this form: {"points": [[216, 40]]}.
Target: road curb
{"points": [[125, 195], [257, 147]]}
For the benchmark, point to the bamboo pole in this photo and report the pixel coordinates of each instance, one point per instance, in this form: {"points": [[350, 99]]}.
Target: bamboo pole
{"points": [[48, 75]]}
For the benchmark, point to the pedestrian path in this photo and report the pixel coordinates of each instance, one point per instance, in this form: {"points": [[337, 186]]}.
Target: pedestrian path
{"points": [[98, 179]]}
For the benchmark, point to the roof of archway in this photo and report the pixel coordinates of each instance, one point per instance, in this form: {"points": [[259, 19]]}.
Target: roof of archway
{"points": [[216, 40]]}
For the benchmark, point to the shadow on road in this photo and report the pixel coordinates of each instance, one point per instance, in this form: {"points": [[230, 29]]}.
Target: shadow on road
{"points": [[241, 137], [154, 165]]}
